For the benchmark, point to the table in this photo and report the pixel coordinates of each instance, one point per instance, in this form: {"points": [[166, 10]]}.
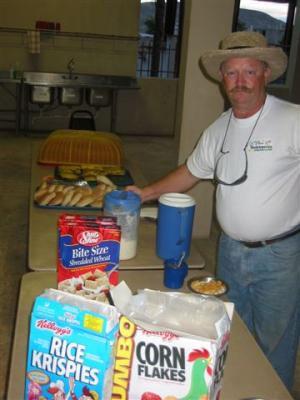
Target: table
{"points": [[247, 371], [42, 246]]}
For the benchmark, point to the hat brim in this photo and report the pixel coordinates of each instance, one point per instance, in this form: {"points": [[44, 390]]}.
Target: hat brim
{"points": [[273, 56]]}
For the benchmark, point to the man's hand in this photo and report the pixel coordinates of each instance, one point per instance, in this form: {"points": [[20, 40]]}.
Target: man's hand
{"points": [[179, 180], [139, 191]]}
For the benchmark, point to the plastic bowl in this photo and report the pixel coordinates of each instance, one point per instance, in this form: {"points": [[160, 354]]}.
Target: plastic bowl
{"points": [[208, 286]]}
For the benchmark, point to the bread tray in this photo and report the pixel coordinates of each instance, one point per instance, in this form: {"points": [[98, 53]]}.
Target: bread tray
{"points": [[69, 208]]}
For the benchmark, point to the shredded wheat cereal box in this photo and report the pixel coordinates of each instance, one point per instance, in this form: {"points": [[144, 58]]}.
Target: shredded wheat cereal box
{"points": [[88, 255]]}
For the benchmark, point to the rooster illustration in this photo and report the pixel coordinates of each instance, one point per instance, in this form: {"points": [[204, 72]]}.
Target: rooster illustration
{"points": [[198, 389]]}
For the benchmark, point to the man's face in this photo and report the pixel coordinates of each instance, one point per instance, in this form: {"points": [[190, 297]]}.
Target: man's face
{"points": [[244, 81]]}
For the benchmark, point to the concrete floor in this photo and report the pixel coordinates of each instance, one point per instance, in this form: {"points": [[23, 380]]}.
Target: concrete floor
{"points": [[155, 156]]}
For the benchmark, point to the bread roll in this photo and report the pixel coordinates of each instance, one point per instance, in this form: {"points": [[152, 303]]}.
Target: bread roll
{"points": [[99, 189], [75, 199], [68, 188], [44, 185], [105, 180], [86, 190], [39, 194], [59, 188], [52, 188], [45, 200], [85, 201], [57, 200], [97, 203], [68, 197]]}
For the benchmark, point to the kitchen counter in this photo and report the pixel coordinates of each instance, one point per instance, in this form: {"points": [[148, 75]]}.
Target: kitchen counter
{"points": [[54, 79], [247, 371], [63, 81]]}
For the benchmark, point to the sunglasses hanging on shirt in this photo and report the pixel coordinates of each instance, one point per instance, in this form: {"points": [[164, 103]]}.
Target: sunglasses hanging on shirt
{"points": [[224, 154]]}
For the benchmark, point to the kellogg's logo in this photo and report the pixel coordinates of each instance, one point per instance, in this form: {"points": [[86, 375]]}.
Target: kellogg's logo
{"points": [[165, 335], [51, 326], [89, 238]]}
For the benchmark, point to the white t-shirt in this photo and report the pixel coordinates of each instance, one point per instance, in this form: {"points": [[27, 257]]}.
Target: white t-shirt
{"points": [[267, 204]]}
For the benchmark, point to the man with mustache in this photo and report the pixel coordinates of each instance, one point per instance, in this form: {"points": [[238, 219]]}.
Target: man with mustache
{"points": [[252, 152]]}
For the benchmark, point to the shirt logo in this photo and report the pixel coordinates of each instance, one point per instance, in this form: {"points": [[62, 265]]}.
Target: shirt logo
{"points": [[261, 145]]}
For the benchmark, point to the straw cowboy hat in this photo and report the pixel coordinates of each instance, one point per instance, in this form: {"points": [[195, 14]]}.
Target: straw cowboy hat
{"points": [[249, 45]]}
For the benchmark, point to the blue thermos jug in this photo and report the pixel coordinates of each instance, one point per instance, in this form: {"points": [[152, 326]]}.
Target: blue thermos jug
{"points": [[174, 226]]}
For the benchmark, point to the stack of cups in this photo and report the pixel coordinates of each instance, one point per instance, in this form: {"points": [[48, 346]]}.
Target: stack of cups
{"points": [[174, 233], [174, 273]]}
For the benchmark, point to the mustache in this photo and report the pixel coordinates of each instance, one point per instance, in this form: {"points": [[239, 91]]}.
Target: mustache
{"points": [[238, 89]]}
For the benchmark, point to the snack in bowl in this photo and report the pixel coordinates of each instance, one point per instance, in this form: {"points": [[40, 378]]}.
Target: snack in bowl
{"points": [[208, 286]]}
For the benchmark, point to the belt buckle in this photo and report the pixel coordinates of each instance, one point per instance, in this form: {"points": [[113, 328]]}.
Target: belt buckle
{"points": [[253, 245]]}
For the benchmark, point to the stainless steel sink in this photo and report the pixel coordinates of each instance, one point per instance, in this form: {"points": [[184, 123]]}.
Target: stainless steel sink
{"points": [[75, 80]]}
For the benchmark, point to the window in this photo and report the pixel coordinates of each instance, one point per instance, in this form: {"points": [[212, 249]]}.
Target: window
{"points": [[160, 38], [274, 19]]}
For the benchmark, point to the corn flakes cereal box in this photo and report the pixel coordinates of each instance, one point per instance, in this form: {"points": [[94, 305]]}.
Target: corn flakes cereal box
{"points": [[155, 362], [70, 349], [161, 365]]}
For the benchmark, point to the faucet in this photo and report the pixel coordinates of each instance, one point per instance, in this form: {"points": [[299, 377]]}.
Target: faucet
{"points": [[70, 66]]}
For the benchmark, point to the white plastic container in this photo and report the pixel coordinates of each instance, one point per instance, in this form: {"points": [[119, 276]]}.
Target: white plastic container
{"points": [[125, 206]]}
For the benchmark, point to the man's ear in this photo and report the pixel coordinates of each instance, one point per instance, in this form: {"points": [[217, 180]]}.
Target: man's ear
{"points": [[267, 73], [221, 73]]}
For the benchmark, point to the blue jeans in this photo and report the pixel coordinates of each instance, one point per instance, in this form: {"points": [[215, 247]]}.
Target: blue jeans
{"points": [[264, 284]]}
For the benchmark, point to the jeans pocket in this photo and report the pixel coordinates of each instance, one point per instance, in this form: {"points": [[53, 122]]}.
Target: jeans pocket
{"points": [[286, 248]]}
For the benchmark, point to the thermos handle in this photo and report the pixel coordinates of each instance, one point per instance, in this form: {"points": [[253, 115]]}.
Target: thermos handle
{"points": [[183, 226]]}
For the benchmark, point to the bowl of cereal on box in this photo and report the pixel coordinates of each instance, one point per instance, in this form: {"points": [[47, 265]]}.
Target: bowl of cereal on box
{"points": [[207, 285]]}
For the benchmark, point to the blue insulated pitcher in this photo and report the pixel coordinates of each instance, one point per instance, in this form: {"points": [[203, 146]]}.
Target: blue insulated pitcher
{"points": [[174, 225]]}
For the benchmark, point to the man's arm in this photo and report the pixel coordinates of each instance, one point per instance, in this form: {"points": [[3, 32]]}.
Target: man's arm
{"points": [[179, 180]]}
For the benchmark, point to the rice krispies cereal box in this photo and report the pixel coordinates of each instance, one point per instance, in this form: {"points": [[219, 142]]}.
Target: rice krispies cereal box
{"points": [[70, 349], [88, 254], [157, 363]]}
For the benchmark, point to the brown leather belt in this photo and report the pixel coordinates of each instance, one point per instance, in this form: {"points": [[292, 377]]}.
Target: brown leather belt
{"points": [[254, 245]]}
